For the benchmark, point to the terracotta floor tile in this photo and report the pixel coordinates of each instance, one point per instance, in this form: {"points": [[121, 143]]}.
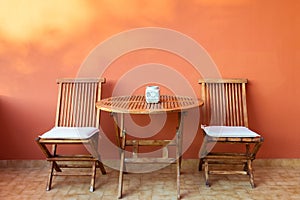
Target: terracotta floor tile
{"points": [[273, 182]]}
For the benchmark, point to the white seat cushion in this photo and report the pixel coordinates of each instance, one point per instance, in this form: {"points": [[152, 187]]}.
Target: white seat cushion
{"points": [[70, 133], [229, 131]]}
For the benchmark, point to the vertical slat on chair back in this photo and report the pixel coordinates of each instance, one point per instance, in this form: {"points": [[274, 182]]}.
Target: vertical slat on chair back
{"points": [[224, 102], [76, 102]]}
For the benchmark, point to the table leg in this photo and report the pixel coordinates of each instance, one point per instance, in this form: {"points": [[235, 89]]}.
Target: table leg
{"points": [[122, 134], [121, 175], [179, 150]]}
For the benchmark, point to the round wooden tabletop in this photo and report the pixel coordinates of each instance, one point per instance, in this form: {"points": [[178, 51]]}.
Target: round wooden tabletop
{"points": [[137, 104]]}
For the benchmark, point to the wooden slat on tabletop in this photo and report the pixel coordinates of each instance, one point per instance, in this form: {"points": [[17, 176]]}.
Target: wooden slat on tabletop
{"points": [[137, 104]]}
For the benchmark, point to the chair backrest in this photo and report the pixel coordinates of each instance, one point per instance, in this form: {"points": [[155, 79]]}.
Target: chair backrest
{"points": [[76, 106], [224, 102]]}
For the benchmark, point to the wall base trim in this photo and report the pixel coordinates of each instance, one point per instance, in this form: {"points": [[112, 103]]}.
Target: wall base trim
{"points": [[257, 162]]}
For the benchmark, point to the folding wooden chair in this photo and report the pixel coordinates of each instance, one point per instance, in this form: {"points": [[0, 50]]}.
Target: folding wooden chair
{"points": [[225, 120], [77, 123]]}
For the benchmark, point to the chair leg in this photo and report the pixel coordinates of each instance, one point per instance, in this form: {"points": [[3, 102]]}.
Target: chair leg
{"points": [[246, 169], [49, 182], [92, 187], [94, 148], [180, 162], [206, 173], [250, 172], [101, 167], [203, 152], [200, 164]]}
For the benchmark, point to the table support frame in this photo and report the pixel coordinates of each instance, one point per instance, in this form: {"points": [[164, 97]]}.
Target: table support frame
{"points": [[123, 143]]}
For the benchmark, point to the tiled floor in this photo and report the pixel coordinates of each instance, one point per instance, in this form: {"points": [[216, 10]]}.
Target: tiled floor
{"points": [[273, 182]]}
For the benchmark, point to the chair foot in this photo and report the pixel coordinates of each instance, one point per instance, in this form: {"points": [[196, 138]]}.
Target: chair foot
{"points": [[120, 195], [207, 184], [92, 189], [252, 181]]}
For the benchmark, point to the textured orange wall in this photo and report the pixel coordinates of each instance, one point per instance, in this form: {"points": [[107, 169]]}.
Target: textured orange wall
{"points": [[42, 41]]}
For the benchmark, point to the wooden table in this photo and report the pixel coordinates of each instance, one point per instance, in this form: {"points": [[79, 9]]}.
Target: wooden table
{"points": [[121, 105]]}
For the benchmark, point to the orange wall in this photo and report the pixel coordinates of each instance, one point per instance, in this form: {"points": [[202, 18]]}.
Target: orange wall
{"points": [[42, 41]]}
